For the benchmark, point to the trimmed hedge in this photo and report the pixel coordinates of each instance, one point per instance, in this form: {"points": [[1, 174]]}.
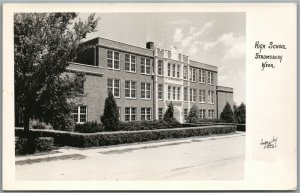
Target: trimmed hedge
{"points": [[63, 138], [32, 145]]}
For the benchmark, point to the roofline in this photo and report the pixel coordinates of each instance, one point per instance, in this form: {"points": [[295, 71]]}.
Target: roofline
{"points": [[204, 63]]}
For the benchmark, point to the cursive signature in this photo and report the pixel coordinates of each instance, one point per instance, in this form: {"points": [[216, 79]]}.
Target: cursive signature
{"points": [[269, 144]]}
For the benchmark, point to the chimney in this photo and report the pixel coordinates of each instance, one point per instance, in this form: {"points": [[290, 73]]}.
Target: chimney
{"points": [[150, 45]]}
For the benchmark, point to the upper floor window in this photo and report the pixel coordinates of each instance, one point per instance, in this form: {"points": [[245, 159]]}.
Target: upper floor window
{"points": [[169, 69], [173, 70], [185, 94], [185, 72], [130, 89], [160, 91], [210, 78], [160, 67], [178, 70], [130, 63], [145, 90], [193, 74], [169, 92], [145, 114], [201, 76], [113, 85], [202, 96], [80, 114], [210, 97], [193, 95], [178, 93], [113, 60], [145, 66], [174, 93]]}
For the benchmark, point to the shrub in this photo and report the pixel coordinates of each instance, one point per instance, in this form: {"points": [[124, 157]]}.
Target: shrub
{"points": [[31, 144], [36, 124], [113, 138], [147, 125], [193, 116], [110, 117], [227, 114], [169, 116], [88, 127]]}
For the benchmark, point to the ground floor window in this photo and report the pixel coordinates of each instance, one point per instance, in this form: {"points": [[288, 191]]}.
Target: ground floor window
{"points": [[185, 113], [160, 114], [80, 114], [202, 113], [211, 114], [130, 114], [145, 114]]}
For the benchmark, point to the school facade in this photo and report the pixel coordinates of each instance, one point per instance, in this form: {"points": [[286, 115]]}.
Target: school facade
{"points": [[144, 81]]}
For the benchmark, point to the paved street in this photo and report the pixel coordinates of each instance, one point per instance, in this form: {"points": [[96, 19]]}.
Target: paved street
{"points": [[198, 158]]}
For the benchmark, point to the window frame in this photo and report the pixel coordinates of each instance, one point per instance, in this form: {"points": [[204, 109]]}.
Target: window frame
{"points": [[130, 63], [145, 65], [160, 114], [131, 89], [201, 76], [113, 60], [202, 97], [160, 91], [78, 114], [145, 90], [160, 67], [146, 114], [131, 114], [113, 87]]}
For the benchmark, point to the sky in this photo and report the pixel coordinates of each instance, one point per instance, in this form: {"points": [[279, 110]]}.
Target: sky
{"points": [[213, 38]]}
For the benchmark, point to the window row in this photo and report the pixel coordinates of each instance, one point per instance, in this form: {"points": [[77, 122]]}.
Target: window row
{"points": [[174, 93], [113, 62], [201, 95], [201, 75], [202, 113], [113, 85], [131, 114]]}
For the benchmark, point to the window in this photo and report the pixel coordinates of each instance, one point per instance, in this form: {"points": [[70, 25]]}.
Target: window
{"points": [[185, 94], [210, 78], [169, 93], [185, 113], [210, 97], [130, 114], [185, 73], [173, 70], [130, 62], [145, 66], [80, 114], [174, 93], [160, 92], [145, 114], [178, 93], [193, 95], [113, 60], [178, 70], [160, 67], [202, 96], [211, 114], [113, 85], [193, 74], [145, 90], [201, 76], [160, 114], [169, 69], [130, 89], [202, 113]]}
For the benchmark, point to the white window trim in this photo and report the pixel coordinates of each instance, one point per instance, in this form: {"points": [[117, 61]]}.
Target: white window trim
{"points": [[210, 78], [210, 97], [130, 89], [131, 113], [162, 92], [145, 64], [145, 91], [113, 60], [146, 108], [161, 67], [78, 114], [185, 73], [187, 94], [203, 96], [201, 76], [113, 87], [130, 63]]}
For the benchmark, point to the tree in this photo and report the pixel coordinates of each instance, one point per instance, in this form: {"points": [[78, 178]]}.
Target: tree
{"points": [[110, 117], [169, 114], [44, 44], [240, 114], [227, 114], [193, 116]]}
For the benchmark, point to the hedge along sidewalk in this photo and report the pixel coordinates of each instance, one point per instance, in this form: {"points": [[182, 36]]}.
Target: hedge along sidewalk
{"points": [[64, 138]]}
